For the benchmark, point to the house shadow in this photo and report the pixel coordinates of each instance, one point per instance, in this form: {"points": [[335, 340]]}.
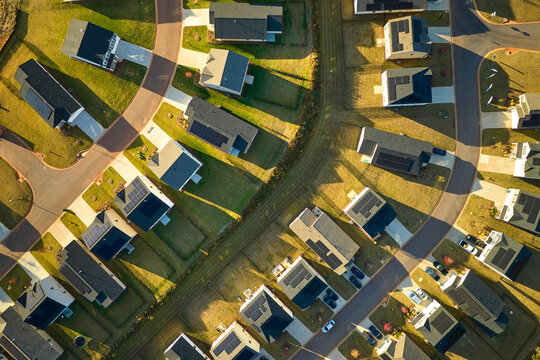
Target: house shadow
{"points": [[502, 86], [115, 138], [266, 150], [121, 9], [157, 79]]}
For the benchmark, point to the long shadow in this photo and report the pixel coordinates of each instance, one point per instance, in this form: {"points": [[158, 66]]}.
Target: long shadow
{"points": [[121, 10], [19, 240], [464, 19], [266, 150], [156, 79]]}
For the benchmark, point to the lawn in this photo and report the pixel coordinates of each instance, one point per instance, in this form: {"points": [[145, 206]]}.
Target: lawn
{"points": [[98, 196], [510, 181], [513, 10], [273, 87], [15, 198], [360, 47], [353, 342], [15, 282], [73, 223], [515, 75], [494, 141], [41, 27]]}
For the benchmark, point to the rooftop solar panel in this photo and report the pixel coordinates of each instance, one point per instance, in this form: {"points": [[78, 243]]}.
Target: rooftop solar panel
{"points": [[138, 192], [521, 199], [38, 104], [208, 134], [322, 247], [442, 322], [533, 213], [293, 274], [299, 277], [92, 235], [498, 256], [333, 261], [506, 258], [394, 162], [229, 344], [395, 36], [529, 201]]}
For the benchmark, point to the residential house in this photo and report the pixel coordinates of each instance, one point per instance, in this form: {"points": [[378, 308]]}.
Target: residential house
{"points": [[407, 86], [175, 166], [266, 314], [406, 38], [242, 22], [388, 6], [439, 327], [478, 301], [325, 238], [226, 71], [219, 128], [92, 44], [504, 255], [394, 152], [527, 163], [235, 343], [526, 114], [20, 341], [521, 209], [88, 275], [46, 96], [44, 302], [371, 212], [142, 203], [184, 349], [301, 283], [108, 234], [401, 349]]}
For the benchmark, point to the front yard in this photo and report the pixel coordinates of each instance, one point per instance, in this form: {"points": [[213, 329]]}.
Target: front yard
{"points": [[15, 282], [513, 10], [496, 141], [15, 198]]}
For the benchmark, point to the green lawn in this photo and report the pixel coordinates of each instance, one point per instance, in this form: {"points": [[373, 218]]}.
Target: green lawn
{"points": [[274, 88], [495, 141], [15, 198], [73, 223], [515, 75], [99, 196], [15, 282], [356, 347], [513, 10]]}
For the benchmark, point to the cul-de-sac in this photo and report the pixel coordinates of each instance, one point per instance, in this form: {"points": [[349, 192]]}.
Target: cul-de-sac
{"points": [[270, 179]]}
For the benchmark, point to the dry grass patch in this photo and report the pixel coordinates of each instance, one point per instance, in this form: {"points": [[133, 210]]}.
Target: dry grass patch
{"points": [[494, 141], [360, 43], [360, 85]]}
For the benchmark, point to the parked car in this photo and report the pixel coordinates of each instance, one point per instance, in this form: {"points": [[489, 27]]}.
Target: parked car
{"points": [[356, 272], [421, 294], [371, 341], [474, 240], [331, 293], [431, 272], [375, 332], [328, 301], [355, 282], [411, 295], [328, 326], [440, 267], [468, 247], [438, 151]]}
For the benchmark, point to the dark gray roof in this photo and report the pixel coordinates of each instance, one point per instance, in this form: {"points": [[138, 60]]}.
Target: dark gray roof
{"points": [[409, 33], [507, 256], [389, 5], [371, 212], [44, 94], [408, 86], [219, 128], [20, 338], [404, 349], [526, 212], [183, 349], [395, 152], [532, 161], [439, 327], [78, 264]]}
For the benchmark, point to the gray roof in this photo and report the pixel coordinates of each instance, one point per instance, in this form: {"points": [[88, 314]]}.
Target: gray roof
{"points": [[436, 325], [174, 165], [503, 254], [225, 69], [526, 212], [184, 349], [532, 160], [301, 283], [393, 151], [408, 34], [404, 349], [219, 128], [389, 5], [408, 86]]}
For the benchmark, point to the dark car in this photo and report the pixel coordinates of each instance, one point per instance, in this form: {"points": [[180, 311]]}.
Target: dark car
{"points": [[431, 272], [473, 240], [355, 282], [371, 341], [356, 272], [438, 151], [328, 301], [375, 332], [440, 268], [332, 294]]}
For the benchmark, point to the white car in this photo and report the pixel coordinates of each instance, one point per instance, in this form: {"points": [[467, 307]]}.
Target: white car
{"points": [[468, 247], [421, 293], [328, 326], [411, 295]]}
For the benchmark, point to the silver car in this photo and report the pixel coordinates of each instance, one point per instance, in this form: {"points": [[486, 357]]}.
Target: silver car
{"points": [[411, 295]]}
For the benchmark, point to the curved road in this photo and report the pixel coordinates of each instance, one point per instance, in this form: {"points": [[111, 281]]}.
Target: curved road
{"points": [[56, 189], [473, 38]]}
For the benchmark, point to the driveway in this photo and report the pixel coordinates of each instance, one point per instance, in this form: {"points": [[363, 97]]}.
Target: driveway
{"points": [[441, 34], [398, 232], [130, 52], [89, 126], [336, 355], [192, 59], [496, 120], [446, 161], [490, 191], [196, 17], [496, 164], [4, 231], [442, 95], [61, 233], [83, 211], [177, 98], [125, 168], [439, 5], [32, 267], [299, 331], [156, 135], [5, 301]]}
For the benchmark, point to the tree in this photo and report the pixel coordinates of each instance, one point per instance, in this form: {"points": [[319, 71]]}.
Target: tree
{"points": [[355, 353]]}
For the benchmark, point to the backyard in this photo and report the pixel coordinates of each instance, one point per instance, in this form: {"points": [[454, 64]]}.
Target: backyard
{"points": [[15, 198], [15, 282]]}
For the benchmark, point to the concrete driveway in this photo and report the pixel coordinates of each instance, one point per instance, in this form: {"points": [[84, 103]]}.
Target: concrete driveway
{"points": [[3, 231], [89, 125], [446, 161], [125, 168], [496, 164], [177, 98], [156, 135], [192, 59], [130, 52], [398, 232], [496, 120], [196, 17], [441, 34], [32, 267], [439, 5], [61, 233], [299, 331], [83, 210], [489, 191], [442, 95], [5, 301]]}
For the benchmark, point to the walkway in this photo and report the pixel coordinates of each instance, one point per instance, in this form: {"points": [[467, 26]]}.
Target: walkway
{"points": [[496, 164], [130, 52], [177, 98], [89, 126], [496, 119]]}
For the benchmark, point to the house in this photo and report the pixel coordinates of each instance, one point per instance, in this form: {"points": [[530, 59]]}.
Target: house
{"points": [[406, 86], [143, 204], [477, 300], [526, 114], [438, 327], [301, 283], [527, 163], [46, 96], [521, 209], [184, 349], [388, 6], [226, 71], [108, 234], [325, 238], [92, 44], [235, 343], [394, 152], [89, 276], [406, 38], [371, 212], [266, 314], [21, 341], [241, 22], [504, 255], [175, 166], [402, 349], [219, 128], [43, 302]]}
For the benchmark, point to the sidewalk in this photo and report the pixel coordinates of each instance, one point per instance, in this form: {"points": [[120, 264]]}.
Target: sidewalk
{"points": [[156, 135]]}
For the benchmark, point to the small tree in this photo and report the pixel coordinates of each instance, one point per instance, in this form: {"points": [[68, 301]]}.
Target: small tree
{"points": [[355, 353]]}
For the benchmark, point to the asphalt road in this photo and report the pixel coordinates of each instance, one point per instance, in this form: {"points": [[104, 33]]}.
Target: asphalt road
{"points": [[473, 39], [56, 189]]}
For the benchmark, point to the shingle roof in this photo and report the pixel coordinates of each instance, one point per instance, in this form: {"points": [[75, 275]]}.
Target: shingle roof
{"points": [[505, 255], [184, 349], [525, 211], [407, 34], [371, 212], [404, 349], [225, 69], [235, 343], [408, 86], [389, 5]]}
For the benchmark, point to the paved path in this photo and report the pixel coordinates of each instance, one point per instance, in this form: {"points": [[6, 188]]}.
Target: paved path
{"points": [[192, 59], [441, 34], [130, 52], [496, 119], [156, 135], [496, 164], [196, 17], [177, 98], [442, 95], [89, 126], [490, 191]]}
